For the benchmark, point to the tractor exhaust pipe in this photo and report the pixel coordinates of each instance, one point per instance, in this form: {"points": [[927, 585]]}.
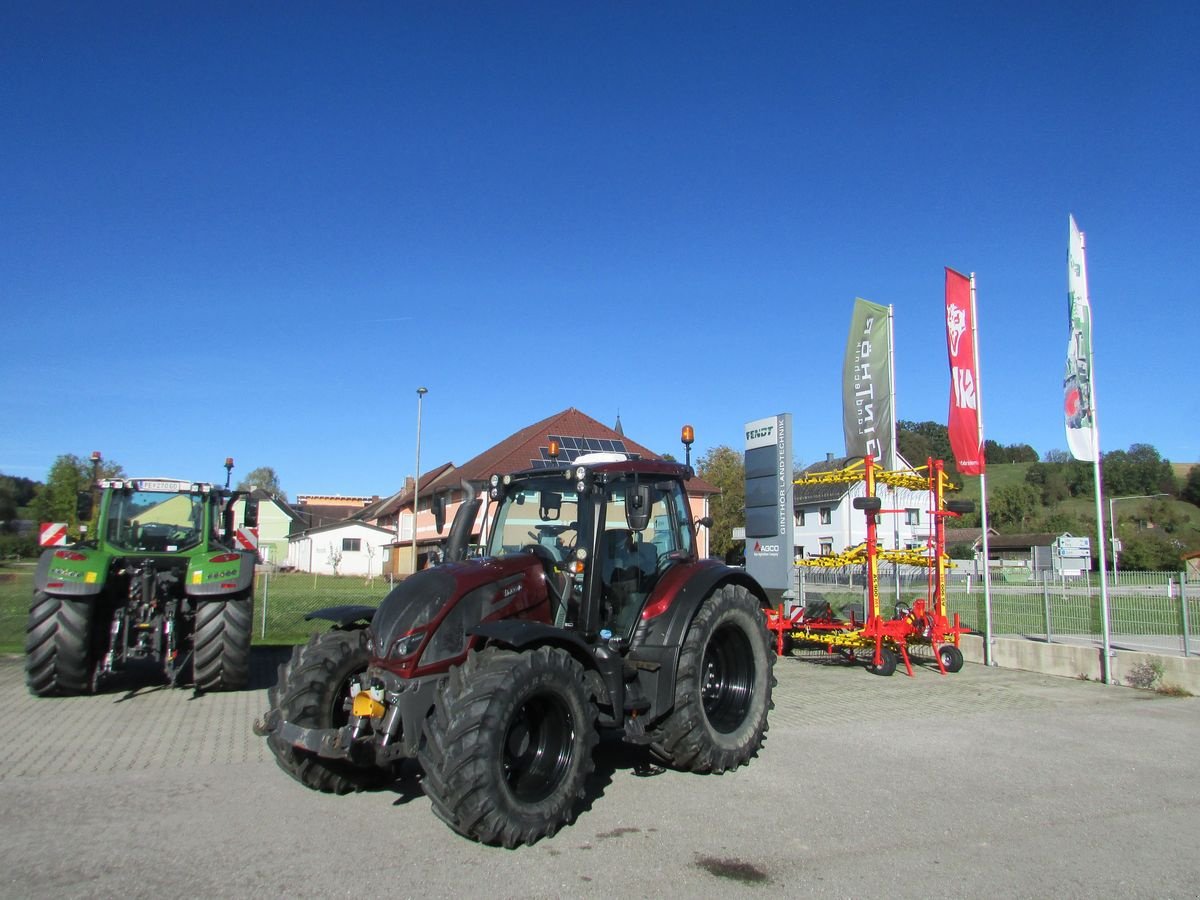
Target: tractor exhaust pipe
{"points": [[460, 528]]}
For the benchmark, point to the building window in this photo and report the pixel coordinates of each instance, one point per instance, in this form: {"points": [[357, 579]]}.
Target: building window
{"points": [[912, 517], [827, 548], [799, 518], [798, 552], [351, 545], [826, 515]]}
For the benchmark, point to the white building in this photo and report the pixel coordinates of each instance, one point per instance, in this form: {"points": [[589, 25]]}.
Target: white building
{"points": [[343, 548], [826, 521]]}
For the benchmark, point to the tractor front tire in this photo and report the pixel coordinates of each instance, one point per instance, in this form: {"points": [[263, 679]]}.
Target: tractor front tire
{"points": [[508, 750], [58, 646], [221, 644], [722, 688], [312, 691]]}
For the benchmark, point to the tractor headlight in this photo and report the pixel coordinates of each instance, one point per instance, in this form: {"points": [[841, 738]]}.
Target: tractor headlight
{"points": [[407, 644]]}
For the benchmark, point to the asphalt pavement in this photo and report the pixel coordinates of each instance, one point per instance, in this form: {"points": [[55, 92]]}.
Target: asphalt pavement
{"points": [[987, 782]]}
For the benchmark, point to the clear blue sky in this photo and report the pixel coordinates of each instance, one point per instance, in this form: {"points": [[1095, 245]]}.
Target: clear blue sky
{"points": [[254, 229]]}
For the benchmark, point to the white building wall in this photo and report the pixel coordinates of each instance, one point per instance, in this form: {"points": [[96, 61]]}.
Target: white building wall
{"points": [[314, 552]]}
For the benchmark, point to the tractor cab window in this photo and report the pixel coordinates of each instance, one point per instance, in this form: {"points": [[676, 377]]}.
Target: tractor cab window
{"points": [[152, 521], [632, 560], [539, 513]]}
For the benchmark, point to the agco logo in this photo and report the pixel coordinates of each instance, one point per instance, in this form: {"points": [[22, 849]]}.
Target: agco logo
{"points": [[765, 548]]}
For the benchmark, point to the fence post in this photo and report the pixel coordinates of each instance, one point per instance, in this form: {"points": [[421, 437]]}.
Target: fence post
{"points": [[266, 598], [1183, 606], [1046, 605]]}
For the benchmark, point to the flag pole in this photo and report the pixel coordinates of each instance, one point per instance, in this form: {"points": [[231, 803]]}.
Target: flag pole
{"points": [[983, 516], [1105, 634], [895, 456]]}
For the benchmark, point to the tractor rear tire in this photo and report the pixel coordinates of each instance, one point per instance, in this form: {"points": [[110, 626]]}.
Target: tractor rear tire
{"points": [[722, 688], [58, 646], [951, 656], [508, 750], [221, 644], [311, 691]]}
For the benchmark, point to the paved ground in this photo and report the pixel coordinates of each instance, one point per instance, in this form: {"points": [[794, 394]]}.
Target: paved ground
{"points": [[989, 782]]}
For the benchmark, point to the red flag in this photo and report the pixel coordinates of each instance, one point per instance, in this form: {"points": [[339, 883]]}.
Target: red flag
{"points": [[966, 438]]}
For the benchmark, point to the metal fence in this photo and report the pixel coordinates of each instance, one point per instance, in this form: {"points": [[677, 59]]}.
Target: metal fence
{"points": [[1153, 611]]}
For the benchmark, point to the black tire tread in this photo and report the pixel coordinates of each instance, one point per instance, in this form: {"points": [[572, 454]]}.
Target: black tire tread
{"points": [[221, 644], [304, 695], [58, 657], [456, 754], [684, 739]]}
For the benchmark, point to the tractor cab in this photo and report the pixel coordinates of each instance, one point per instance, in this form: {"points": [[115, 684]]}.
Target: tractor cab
{"points": [[606, 530]]}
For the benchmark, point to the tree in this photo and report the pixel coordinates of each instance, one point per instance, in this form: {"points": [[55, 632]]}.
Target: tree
{"points": [[1150, 552], [724, 468], [58, 499], [1191, 487], [1012, 505], [263, 478]]}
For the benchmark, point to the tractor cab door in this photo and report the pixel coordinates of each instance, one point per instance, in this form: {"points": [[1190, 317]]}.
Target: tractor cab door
{"points": [[644, 531]]}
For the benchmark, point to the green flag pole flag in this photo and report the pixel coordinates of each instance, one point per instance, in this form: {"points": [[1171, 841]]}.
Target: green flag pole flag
{"points": [[1079, 402], [867, 400]]}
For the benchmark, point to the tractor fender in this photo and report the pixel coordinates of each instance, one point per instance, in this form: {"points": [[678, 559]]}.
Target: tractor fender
{"points": [[203, 582], [660, 640], [70, 578], [344, 617], [521, 633]]}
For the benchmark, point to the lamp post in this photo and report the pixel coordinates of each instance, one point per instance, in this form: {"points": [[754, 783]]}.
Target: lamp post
{"points": [[421, 392], [1112, 523]]}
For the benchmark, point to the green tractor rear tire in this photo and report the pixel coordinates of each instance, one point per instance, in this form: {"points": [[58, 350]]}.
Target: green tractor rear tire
{"points": [[221, 654], [58, 646]]}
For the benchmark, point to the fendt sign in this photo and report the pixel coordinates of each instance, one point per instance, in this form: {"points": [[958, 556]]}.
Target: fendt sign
{"points": [[769, 528]]}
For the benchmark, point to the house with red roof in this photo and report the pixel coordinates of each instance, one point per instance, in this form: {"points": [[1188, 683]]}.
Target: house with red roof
{"points": [[575, 432]]}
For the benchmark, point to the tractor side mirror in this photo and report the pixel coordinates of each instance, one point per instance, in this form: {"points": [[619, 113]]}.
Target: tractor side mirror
{"points": [[439, 511], [960, 506], [705, 521], [868, 504], [84, 504], [637, 507], [250, 513], [551, 506]]}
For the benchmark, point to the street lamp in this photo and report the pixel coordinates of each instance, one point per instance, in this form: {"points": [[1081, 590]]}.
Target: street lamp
{"points": [[421, 392], [1112, 523]]}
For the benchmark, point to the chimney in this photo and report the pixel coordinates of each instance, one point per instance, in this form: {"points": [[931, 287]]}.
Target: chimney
{"points": [[828, 457]]}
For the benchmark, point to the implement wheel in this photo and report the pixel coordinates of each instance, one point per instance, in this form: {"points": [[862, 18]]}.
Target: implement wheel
{"points": [[509, 747], [888, 659], [951, 657]]}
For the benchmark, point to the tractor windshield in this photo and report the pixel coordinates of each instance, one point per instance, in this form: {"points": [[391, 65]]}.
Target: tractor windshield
{"points": [[538, 512], [155, 521]]}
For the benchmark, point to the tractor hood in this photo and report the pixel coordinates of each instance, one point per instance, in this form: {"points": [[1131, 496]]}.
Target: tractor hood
{"points": [[428, 616]]}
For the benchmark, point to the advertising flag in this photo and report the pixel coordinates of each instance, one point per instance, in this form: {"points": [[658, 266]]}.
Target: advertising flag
{"points": [[966, 436], [867, 384], [1078, 402]]}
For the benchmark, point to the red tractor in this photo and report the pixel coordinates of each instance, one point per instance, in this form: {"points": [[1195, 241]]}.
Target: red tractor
{"points": [[590, 611]]}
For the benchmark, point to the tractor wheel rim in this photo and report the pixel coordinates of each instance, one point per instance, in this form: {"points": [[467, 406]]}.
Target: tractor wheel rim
{"points": [[538, 748], [727, 679]]}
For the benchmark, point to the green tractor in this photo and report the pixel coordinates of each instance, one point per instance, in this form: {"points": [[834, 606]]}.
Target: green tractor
{"points": [[161, 580]]}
